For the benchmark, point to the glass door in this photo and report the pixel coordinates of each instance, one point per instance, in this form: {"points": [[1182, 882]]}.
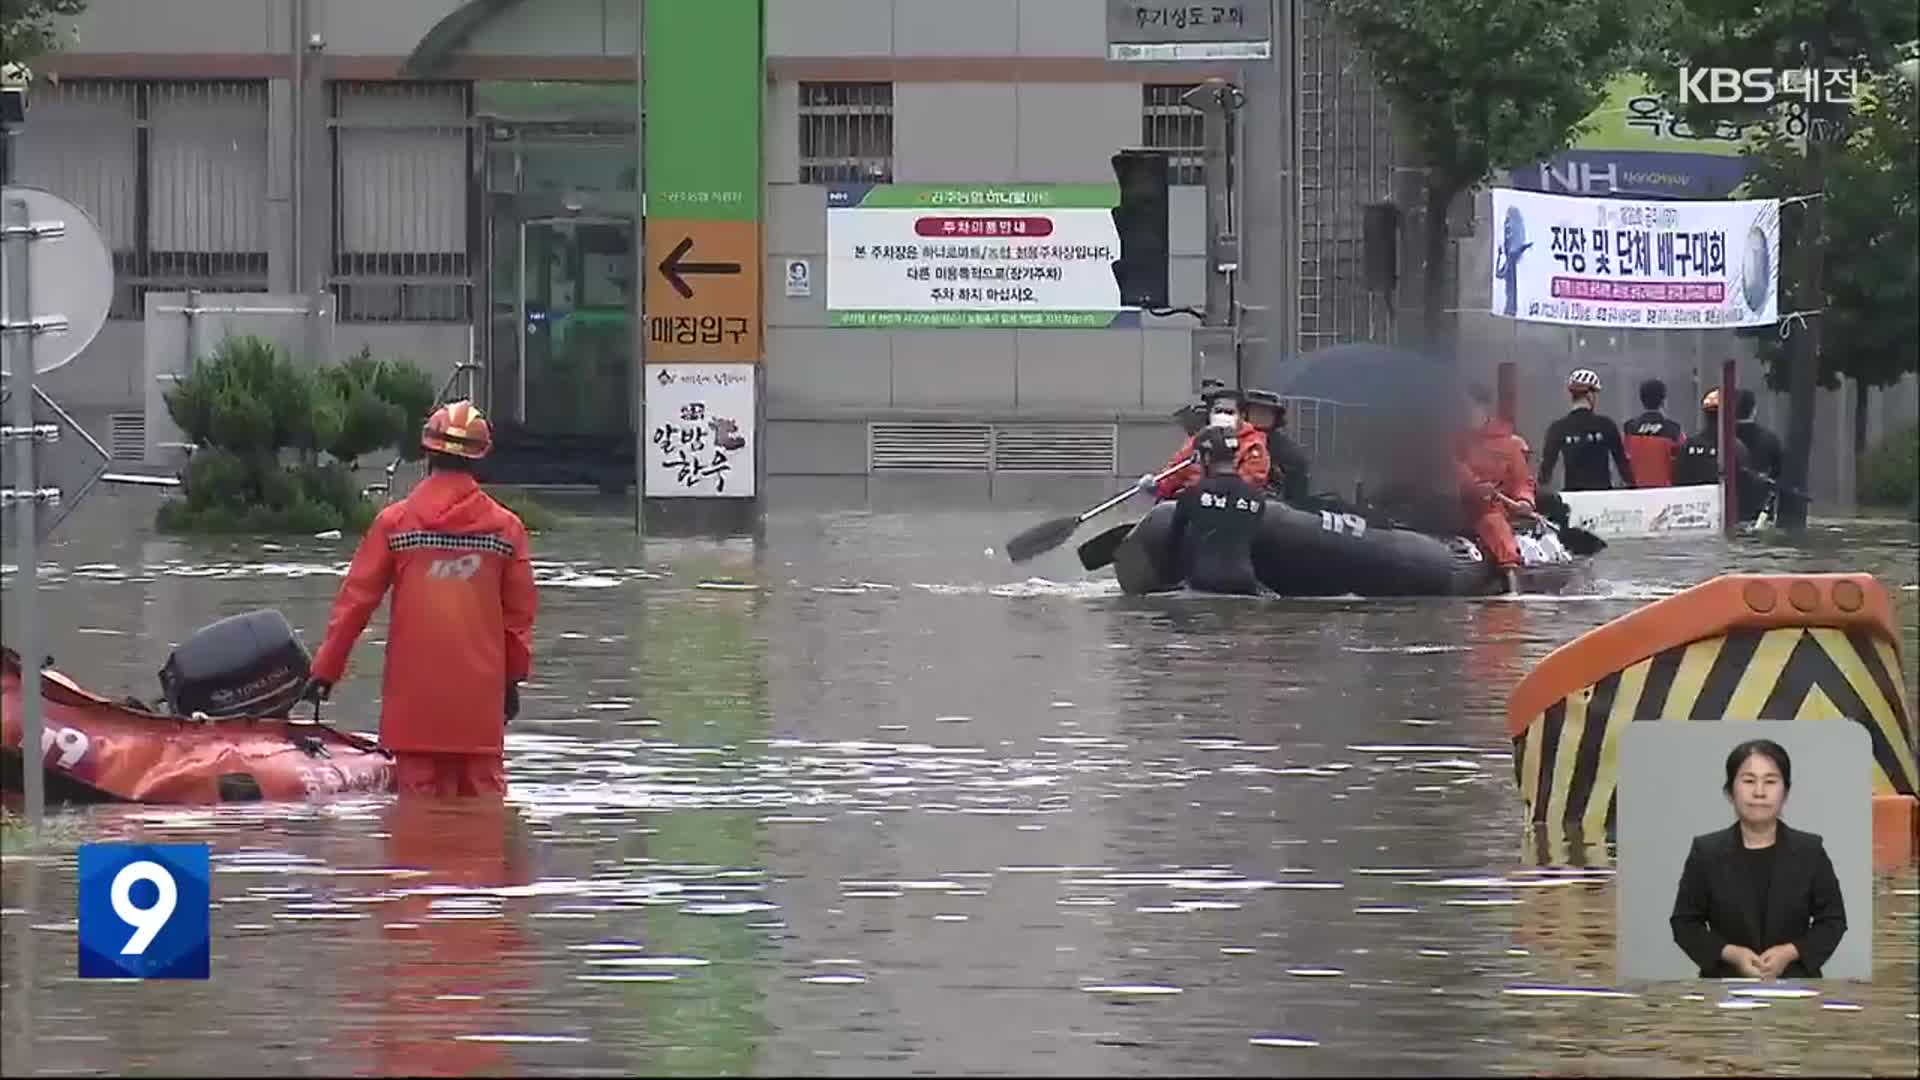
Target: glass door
{"points": [[577, 276]]}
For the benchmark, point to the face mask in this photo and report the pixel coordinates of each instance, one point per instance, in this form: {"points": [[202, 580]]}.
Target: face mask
{"points": [[1226, 420]]}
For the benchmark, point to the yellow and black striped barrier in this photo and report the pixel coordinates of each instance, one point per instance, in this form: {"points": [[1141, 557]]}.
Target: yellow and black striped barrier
{"points": [[1740, 647]]}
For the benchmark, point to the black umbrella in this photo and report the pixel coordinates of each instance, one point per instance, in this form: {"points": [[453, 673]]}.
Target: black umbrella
{"points": [[1369, 375]]}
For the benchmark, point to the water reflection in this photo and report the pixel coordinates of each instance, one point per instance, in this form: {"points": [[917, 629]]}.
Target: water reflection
{"points": [[861, 799]]}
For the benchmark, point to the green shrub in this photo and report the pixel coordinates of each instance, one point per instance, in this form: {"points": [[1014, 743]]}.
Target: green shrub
{"points": [[1890, 473], [247, 404]]}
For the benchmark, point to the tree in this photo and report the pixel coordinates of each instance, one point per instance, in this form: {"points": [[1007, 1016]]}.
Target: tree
{"points": [[32, 28], [1784, 35], [1481, 85], [1871, 261]]}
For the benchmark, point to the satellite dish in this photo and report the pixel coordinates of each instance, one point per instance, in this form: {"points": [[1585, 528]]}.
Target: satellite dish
{"points": [[69, 276]]}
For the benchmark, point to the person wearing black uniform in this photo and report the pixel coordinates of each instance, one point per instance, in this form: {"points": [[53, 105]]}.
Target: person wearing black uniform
{"points": [[1215, 520], [1654, 439], [1766, 458], [1287, 475], [1699, 462], [1587, 439]]}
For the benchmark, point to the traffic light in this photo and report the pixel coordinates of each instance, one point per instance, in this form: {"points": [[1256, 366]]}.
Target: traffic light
{"points": [[1141, 220]]}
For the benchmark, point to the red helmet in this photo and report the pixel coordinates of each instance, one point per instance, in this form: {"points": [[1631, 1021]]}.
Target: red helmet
{"points": [[458, 428]]}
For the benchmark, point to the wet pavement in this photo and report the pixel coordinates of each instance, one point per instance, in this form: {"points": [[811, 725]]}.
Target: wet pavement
{"points": [[864, 799]]}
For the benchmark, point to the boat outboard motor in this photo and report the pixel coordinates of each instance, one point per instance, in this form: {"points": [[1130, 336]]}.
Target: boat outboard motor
{"points": [[244, 665]]}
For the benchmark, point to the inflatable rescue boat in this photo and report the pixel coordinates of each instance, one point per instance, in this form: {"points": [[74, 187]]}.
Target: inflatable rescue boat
{"points": [[1325, 553], [223, 732]]}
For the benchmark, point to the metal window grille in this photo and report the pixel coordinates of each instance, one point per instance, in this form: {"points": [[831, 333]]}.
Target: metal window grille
{"points": [[403, 204], [173, 173], [1167, 123], [846, 133], [1346, 160]]}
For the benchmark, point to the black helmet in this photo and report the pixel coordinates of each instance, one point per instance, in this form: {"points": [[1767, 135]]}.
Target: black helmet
{"points": [[1215, 444], [1220, 392]]}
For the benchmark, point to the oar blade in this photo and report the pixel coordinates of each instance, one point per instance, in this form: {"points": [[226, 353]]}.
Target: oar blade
{"points": [[1041, 539], [1098, 552], [1580, 542]]}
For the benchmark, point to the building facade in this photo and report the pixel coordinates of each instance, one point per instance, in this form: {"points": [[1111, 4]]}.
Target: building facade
{"points": [[460, 178]]}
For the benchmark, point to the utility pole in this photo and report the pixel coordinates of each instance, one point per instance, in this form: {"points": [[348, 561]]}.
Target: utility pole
{"points": [[17, 330], [1216, 345]]}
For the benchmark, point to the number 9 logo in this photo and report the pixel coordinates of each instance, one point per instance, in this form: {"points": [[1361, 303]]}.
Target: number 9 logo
{"points": [[71, 742], [147, 922]]}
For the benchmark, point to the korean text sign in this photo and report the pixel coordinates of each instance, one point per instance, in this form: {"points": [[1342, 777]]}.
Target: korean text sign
{"points": [[145, 911], [700, 430], [1635, 263], [1036, 255]]}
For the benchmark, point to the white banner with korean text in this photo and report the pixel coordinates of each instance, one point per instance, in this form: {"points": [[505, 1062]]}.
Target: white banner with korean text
{"points": [[700, 431], [1029, 256], [1644, 263]]}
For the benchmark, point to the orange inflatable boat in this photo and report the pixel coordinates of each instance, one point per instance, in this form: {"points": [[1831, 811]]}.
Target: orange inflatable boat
{"points": [[97, 750]]}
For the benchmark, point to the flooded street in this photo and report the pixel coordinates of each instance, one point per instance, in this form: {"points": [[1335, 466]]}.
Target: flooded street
{"points": [[863, 799]]}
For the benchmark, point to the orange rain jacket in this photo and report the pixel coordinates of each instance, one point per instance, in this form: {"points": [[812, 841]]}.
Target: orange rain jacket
{"points": [[461, 626], [1494, 455], [1250, 460]]}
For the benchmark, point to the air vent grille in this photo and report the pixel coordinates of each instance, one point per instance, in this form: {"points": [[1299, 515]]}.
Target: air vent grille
{"points": [[1055, 448], [929, 446], [127, 436]]}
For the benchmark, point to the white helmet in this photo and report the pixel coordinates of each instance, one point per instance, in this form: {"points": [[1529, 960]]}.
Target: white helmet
{"points": [[1584, 380]]}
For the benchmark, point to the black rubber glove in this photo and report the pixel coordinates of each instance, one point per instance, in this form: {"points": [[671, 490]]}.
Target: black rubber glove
{"points": [[513, 701], [316, 691]]}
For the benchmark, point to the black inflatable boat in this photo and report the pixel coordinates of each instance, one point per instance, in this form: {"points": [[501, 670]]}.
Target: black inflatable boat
{"points": [[1327, 553]]}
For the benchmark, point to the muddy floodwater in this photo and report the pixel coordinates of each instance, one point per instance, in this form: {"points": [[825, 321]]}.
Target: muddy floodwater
{"points": [[864, 799]]}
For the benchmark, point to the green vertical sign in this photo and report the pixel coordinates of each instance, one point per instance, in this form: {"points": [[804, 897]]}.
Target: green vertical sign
{"points": [[704, 72]]}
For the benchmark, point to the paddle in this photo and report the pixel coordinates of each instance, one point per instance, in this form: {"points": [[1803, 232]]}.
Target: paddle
{"points": [[1579, 542], [1099, 551], [1048, 535]]}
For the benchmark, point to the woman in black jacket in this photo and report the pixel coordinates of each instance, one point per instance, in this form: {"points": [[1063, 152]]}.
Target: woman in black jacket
{"points": [[1758, 899]]}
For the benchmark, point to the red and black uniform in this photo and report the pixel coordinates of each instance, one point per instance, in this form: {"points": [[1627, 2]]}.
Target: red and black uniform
{"points": [[1250, 460], [1653, 441], [460, 632], [1493, 459]]}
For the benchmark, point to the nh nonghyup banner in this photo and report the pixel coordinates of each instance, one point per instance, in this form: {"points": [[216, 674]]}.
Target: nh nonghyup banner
{"points": [[1635, 263]]}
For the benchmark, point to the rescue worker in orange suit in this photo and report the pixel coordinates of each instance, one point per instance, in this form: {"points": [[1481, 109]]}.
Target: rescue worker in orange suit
{"points": [[1250, 456], [1587, 439], [1287, 476], [1491, 462], [1653, 438], [460, 639]]}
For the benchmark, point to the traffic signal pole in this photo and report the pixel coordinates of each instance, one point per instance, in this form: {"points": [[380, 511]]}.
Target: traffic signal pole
{"points": [[1216, 347]]}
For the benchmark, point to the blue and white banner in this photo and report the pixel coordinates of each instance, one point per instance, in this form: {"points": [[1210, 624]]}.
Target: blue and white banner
{"points": [[1583, 261]]}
